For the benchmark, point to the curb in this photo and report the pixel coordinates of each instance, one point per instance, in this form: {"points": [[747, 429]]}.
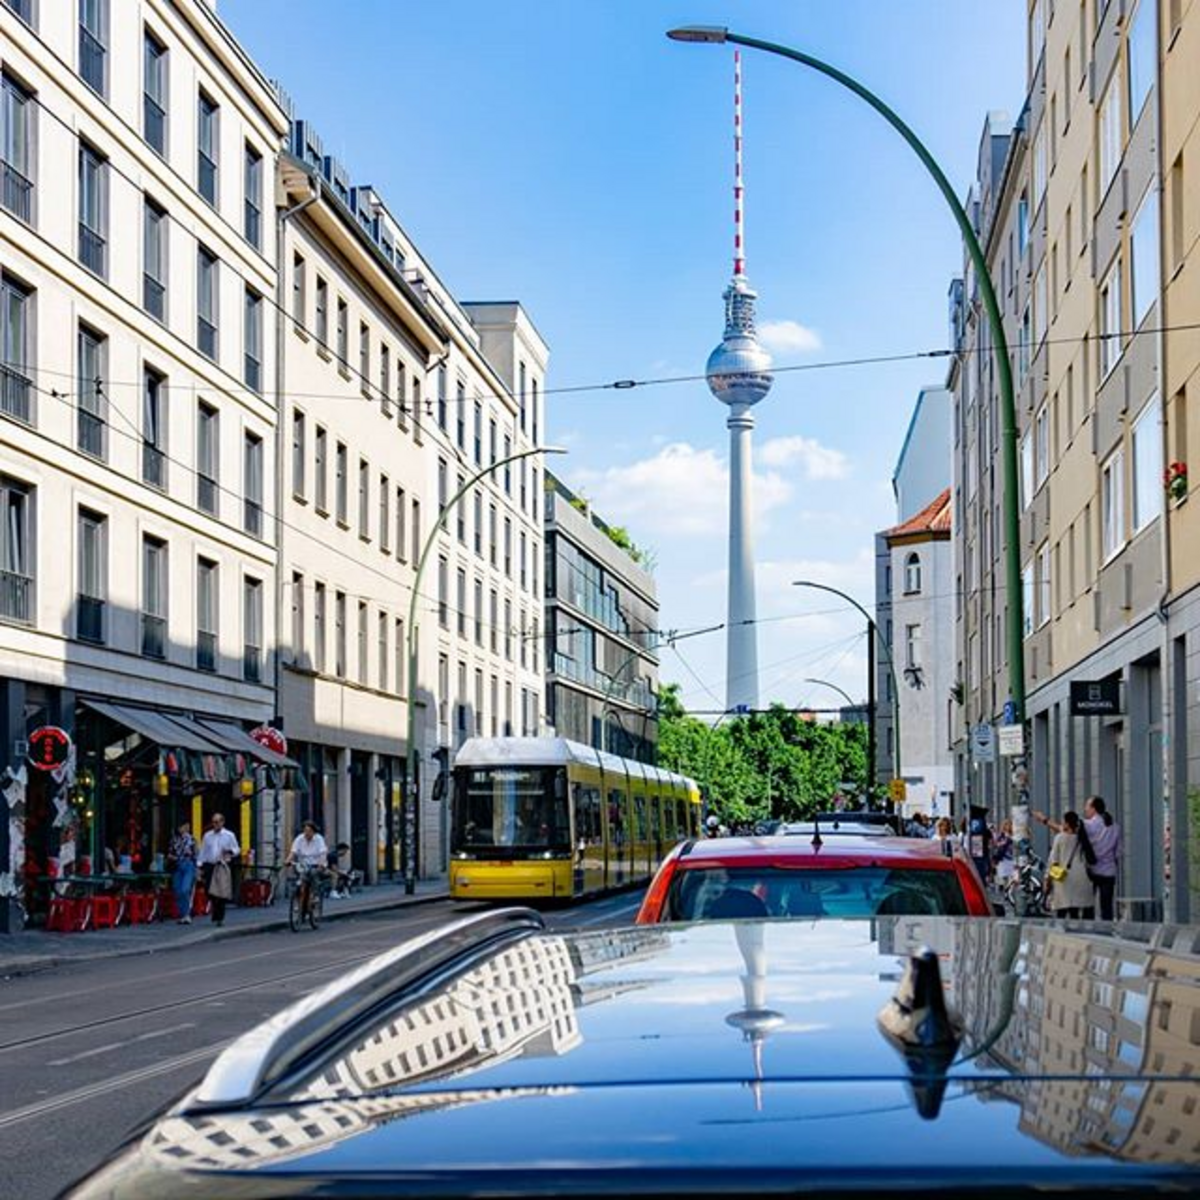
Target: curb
{"points": [[16, 968]]}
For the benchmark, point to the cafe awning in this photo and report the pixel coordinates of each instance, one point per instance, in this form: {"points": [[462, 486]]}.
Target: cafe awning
{"points": [[239, 741], [174, 731]]}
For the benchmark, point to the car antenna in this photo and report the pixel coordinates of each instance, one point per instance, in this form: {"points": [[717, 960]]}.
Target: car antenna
{"points": [[817, 841]]}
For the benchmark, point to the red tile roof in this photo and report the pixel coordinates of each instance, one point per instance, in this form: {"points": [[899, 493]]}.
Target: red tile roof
{"points": [[933, 518]]}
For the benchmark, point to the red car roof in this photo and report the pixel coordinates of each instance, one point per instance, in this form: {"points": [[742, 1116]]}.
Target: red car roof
{"points": [[797, 850]]}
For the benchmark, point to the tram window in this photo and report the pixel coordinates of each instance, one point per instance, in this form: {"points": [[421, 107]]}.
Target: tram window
{"points": [[587, 815], [639, 818], [616, 816]]}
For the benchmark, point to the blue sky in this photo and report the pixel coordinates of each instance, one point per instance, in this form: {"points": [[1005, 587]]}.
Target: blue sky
{"points": [[565, 154]]}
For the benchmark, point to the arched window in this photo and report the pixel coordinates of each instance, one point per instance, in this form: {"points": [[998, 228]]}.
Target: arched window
{"points": [[912, 573]]}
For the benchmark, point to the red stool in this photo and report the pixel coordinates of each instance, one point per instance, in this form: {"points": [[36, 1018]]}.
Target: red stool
{"points": [[140, 907], [67, 914], [103, 911], [254, 893], [199, 901], [168, 909]]}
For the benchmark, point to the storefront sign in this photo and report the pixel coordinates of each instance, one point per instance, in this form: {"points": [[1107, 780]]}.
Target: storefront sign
{"points": [[272, 738], [983, 743], [49, 747], [1101, 698], [1011, 740]]}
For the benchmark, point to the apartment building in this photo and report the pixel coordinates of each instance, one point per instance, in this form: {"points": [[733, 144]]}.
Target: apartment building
{"points": [[394, 396], [1071, 207], [137, 413], [601, 632]]}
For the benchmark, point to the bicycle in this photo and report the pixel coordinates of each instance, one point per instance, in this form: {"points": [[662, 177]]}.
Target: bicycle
{"points": [[307, 901], [1029, 883]]}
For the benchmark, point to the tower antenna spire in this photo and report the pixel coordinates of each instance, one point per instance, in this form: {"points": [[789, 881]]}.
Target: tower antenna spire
{"points": [[739, 238]]}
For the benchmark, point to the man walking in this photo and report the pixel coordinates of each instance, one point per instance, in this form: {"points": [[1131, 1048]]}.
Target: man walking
{"points": [[217, 851]]}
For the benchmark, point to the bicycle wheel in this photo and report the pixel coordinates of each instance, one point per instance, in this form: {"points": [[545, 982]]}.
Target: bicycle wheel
{"points": [[295, 910], [315, 906]]}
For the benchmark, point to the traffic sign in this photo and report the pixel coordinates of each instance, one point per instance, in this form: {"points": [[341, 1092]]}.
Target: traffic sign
{"points": [[983, 743], [1012, 741], [897, 791]]}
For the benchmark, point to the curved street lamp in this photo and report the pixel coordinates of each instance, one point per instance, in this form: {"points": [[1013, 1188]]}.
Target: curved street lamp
{"points": [[412, 806], [833, 687]]}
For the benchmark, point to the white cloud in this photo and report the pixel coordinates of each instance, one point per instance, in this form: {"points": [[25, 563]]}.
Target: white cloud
{"points": [[788, 337], [817, 461], [681, 490]]}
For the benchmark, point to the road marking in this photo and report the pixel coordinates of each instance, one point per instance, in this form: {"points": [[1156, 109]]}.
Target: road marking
{"points": [[105, 1086], [145, 1037]]}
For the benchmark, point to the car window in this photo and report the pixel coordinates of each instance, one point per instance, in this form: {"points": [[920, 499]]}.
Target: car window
{"points": [[712, 893]]}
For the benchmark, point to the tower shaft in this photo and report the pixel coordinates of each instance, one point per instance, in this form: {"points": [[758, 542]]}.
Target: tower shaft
{"points": [[741, 681]]}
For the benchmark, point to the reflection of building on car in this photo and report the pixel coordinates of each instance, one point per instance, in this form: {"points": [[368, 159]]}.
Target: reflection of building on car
{"points": [[789, 876], [546, 817]]}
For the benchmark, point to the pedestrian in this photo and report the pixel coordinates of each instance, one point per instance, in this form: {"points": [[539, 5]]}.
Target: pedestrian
{"points": [[181, 857], [1102, 850], [218, 849], [1003, 852], [1071, 891], [944, 832]]}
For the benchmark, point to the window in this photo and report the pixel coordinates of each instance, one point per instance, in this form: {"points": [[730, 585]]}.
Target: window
{"points": [[154, 597], [1024, 345], [1041, 447], [401, 518], [912, 646], [401, 394], [494, 696], [154, 93], [322, 313], [92, 427], [416, 527], [154, 260], [443, 698], [1112, 501], [533, 409], [16, 149], [207, 457], [93, 577], [299, 290], [1110, 133], [1041, 306], [522, 378], [508, 547], [320, 621], [441, 398], [339, 634], [494, 621], [478, 434], [343, 333], [912, 574], [93, 45], [385, 515], [522, 638], [253, 341], [1110, 320], [522, 546], [16, 321], [382, 650], [401, 658], [93, 210], [508, 466], [320, 470], [461, 513], [460, 599], [252, 218], [1022, 224], [1041, 585], [478, 724], [478, 612], [206, 153], [23, 9], [1039, 166], [1027, 599], [493, 540], [508, 630], [362, 642], [364, 500], [1142, 53], [1143, 264], [443, 587], [297, 617], [253, 457], [206, 302], [154, 428], [252, 623], [342, 483], [492, 440], [1177, 242], [299, 453], [364, 358], [385, 381], [478, 526], [1147, 465], [1027, 487], [460, 416], [416, 410], [16, 551], [206, 614]]}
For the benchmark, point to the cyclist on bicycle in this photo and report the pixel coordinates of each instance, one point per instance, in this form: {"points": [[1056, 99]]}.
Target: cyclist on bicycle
{"points": [[310, 857]]}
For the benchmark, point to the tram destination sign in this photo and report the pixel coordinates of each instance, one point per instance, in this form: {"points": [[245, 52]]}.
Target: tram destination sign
{"points": [[1101, 698]]}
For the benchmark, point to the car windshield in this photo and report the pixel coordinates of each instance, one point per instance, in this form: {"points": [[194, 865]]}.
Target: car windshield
{"points": [[867, 891]]}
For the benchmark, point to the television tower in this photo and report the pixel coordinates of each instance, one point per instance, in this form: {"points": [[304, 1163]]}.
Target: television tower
{"points": [[739, 375]]}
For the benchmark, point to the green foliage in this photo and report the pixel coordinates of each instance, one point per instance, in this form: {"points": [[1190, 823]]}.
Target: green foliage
{"points": [[774, 764]]}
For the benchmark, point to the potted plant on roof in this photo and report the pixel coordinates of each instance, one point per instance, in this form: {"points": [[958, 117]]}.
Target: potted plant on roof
{"points": [[1175, 480]]}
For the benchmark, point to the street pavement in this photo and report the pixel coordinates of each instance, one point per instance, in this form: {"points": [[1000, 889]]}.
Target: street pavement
{"points": [[93, 1044]]}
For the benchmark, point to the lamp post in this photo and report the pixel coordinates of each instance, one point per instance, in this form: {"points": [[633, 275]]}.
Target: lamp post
{"points": [[1008, 409], [412, 804], [872, 639], [833, 687]]}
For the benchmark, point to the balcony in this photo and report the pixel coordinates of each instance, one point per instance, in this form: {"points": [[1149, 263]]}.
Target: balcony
{"points": [[154, 298], [89, 619], [93, 251], [206, 493], [16, 395], [154, 636], [154, 124], [154, 466], [91, 434], [206, 338], [16, 597], [16, 193], [252, 664], [252, 517], [206, 651], [92, 55]]}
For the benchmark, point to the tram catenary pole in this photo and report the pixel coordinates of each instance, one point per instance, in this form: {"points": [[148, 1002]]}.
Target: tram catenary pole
{"points": [[412, 800]]}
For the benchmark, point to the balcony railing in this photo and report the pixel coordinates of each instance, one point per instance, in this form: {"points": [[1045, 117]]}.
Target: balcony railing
{"points": [[154, 119], [154, 466], [16, 597], [252, 664], [206, 493], [16, 394], [632, 691], [92, 54], [91, 434], [154, 298], [252, 517], [207, 178], [206, 651], [89, 619], [206, 337], [16, 193], [154, 636], [93, 250]]}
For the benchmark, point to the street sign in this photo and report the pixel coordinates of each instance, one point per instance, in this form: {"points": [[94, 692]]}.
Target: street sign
{"points": [[1098, 698], [983, 743], [897, 791], [1012, 741], [1010, 712]]}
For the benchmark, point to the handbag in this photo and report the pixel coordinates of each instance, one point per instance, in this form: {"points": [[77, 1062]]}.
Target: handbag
{"points": [[1059, 871]]}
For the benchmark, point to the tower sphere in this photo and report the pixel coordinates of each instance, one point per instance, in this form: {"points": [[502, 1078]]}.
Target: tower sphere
{"points": [[739, 369]]}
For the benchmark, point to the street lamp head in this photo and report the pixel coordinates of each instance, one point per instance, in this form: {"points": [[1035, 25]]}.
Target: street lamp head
{"points": [[550, 450], [699, 33]]}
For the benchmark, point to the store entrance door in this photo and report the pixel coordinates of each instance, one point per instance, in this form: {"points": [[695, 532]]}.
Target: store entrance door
{"points": [[360, 811]]}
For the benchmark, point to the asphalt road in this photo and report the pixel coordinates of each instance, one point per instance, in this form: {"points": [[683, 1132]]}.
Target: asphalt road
{"points": [[88, 1051]]}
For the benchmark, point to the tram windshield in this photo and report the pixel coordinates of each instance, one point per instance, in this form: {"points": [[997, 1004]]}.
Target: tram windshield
{"points": [[518, 810]]}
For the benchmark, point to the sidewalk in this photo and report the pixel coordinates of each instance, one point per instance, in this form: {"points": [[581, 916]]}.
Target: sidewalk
{"points": [[34, 950]]}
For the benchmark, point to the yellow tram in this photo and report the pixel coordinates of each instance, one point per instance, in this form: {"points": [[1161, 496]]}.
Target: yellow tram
{"points": [[544, 818]]}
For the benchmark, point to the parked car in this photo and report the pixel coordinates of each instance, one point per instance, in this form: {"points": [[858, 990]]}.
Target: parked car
{"points": [[815, 876], [492, 1057]]}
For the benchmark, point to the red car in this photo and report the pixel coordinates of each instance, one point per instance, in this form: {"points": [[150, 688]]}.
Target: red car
{"points": [[829, 876]]}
